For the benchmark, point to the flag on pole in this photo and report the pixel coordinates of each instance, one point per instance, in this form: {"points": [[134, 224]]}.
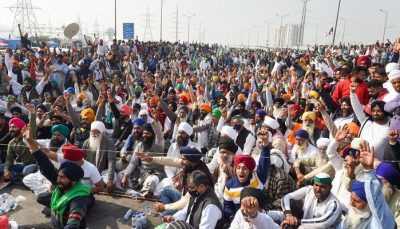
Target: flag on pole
{"points": [[329, 33]]}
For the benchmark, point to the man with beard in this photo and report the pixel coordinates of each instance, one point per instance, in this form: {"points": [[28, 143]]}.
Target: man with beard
{"points": [[100, 152], [302, 147], [393, 106], [189, 161], [346, 165], [308, 125], [202, 127], [81, 124], [372, 128], [145, 175], [19, 162], [240, 109], [368, 208], [130, 144], [321, 208], [60, 70], [29, 92], [183, 139], [259, 119], [343, 88], [59, 137], [13, 67], [389, 176], [69, 199], [245, 139], [376, 93], [246, 175]]}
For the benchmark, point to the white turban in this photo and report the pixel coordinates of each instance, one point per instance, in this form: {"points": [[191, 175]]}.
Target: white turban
{"points": [[355, 144], [323, 142], [143, 112], [279, 160], [395, 74], [185, 127], [230, 132], [97, 125], [272, 123], [391, 66]]}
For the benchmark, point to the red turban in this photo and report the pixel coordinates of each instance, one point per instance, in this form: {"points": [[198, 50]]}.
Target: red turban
{"points": [[364, 59], [126, 110], [184, 100], [247, 160], [295, 107], [72, 153], [17, 122]]}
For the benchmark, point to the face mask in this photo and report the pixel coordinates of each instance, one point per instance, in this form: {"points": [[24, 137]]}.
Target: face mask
{"points": [[237, 127], [193, 194]]}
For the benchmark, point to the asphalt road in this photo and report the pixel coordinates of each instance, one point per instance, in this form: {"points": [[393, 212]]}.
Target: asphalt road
{"points": [[104, 214]]}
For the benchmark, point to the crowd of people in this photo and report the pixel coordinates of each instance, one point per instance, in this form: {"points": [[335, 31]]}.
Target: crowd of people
{"points": [[223, 137]]}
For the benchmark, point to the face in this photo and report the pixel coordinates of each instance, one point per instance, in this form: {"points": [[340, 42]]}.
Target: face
{"points": [[143, 116], [396, 84], [346, 108], [182, 113], [322, 149], [222, 103], [377, 114], [185, 162], [147, 135], [39, 112], [15, 114], [242, 173], [240, 107], [58, 138], [85, 123], [137, 130], [226, 156], [322, 191], [27, 86], [299, 141], [308, 122], [59, 60], [237, 124], [95, 133], [14, 131], [182, 136], [356, 202], [63, 182], [373, 91]]}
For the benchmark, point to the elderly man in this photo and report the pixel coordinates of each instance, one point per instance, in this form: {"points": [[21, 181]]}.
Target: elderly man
{"points": [[278, 140], [372, 128], [69, 198], [252, 214], [393, 106], [245, 139], [319, 163], [183, 139], [19, 162], [321, 209], [308, 125], [100, 151], [203, 210], [247, 175], [389, 176], [368, 208], [302, 148], [146, 175]]}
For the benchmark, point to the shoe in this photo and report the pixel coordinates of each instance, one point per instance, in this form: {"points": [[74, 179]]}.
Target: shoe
{"points": [[46, 212]]}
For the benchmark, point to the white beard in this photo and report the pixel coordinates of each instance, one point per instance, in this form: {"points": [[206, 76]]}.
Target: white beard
{"points": [[310, 129], [94, 142], [355, 216], [387, 191]]}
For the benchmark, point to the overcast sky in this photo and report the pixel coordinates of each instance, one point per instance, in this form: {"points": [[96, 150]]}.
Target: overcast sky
{"points": [[225, 21]]}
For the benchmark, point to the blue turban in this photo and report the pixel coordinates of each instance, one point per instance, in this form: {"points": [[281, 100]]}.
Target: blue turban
{"points": [[191, 153], [245, 92], [64, 130], [71, 90], [138, 122], [359, 190], [71, 170], [389, 172], [349, 151], [137, 106], [301, 133], [261, 113]]}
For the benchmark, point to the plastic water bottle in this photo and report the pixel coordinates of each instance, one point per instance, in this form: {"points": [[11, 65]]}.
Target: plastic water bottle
{"points": [[143, 220], [127, 215]]}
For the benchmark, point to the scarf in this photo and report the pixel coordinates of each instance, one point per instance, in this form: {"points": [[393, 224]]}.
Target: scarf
{"points": [[60, 201]]}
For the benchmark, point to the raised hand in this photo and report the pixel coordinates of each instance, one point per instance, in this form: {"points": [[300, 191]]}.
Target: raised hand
{"points": [[353, 87], [263, 135], [367, 155], [393, 136], [249, 206], [31, 108], [341, 133]]}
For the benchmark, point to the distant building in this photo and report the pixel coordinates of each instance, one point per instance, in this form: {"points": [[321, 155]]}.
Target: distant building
{"points": [[288, 36]]}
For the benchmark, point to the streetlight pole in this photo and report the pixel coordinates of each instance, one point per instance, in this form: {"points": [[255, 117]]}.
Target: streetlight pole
{"points": [[344, 28], [189, 17], [280, 28], [115, 18], [258, 33], [200, 30], [268, 23], [162, 3], [337, 17], [384, 28], [316, 35]]}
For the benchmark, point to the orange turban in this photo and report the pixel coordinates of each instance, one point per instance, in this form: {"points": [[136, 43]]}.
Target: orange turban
{"points": [[354, 129], [153, 101], [242, 97], [206, 107], [88, 113], [81, 96], [286, 96]]}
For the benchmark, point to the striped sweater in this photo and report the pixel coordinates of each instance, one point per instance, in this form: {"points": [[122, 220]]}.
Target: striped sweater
{"points": [[257, 180]]}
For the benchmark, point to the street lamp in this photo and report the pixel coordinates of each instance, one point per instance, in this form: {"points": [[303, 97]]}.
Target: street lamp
{"points": [[268, 23], [200, 30], [344, 28], [162, 3], [384, 28], [189, 17], [280, 28], [337, 17]]}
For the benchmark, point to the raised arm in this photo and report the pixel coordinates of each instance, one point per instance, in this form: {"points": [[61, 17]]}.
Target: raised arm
{"points": [[355, 103], [264, 162]]}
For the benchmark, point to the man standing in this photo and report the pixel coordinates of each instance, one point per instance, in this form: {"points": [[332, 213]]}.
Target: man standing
{"points": [[204, 209], [321, 208], [69, 199]]}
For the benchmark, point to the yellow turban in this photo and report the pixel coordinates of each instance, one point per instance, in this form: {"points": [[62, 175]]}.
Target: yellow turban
{"points": [[88, 113], [309, 114]]}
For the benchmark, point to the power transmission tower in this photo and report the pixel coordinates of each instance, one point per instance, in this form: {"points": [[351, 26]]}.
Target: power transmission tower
{"points": [[147, 29], [25, 16]]}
